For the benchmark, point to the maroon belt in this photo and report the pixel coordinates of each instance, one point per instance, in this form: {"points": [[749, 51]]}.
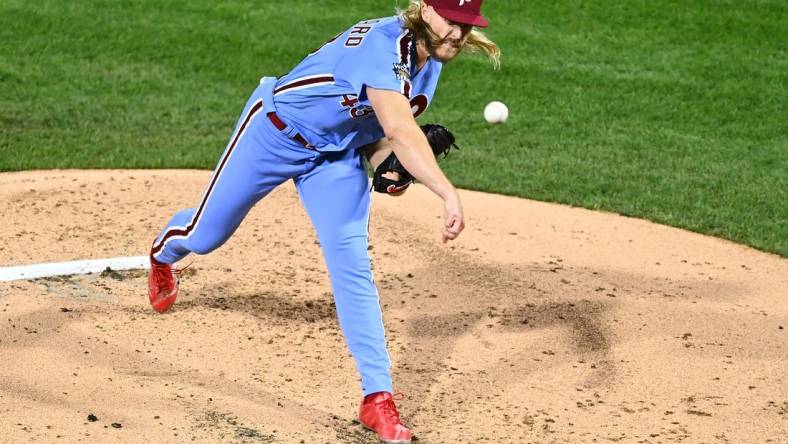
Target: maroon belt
{"points": [[281, 126]]}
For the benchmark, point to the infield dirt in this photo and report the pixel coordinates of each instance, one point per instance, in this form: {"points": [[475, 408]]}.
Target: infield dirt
{"points": [[542, 323]]}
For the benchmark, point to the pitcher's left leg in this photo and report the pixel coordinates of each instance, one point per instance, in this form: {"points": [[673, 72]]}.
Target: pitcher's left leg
{"points": [[336, 196]]}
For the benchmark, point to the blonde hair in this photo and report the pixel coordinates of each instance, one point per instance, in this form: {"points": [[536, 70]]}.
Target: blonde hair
{"points": [[475, 41]]}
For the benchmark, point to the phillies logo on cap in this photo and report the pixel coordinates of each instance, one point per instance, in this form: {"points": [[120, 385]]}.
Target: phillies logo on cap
{"points": [[467, 12]]}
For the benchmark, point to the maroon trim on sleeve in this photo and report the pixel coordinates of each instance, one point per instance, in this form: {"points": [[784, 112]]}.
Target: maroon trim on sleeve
{"points": [[404, 44]]}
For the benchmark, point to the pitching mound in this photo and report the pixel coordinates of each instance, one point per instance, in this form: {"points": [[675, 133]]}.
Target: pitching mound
{"points": [[542, 323]]}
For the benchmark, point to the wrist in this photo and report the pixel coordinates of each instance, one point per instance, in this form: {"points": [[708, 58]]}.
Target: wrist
{"points": [[449, 193]]}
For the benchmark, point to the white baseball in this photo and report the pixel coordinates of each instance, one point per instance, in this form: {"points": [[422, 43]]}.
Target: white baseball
{"points": [[496, 112]]}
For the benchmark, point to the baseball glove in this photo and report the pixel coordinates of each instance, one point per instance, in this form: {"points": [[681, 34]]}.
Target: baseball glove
{"points": [[441, 140]]}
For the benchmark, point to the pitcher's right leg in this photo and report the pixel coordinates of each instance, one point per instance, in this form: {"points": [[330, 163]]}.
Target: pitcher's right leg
{"points": [[246, 172], [232, 191]]}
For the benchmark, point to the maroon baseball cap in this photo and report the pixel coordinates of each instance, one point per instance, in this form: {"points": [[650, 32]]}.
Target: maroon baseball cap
{"points": [[468, 12]]}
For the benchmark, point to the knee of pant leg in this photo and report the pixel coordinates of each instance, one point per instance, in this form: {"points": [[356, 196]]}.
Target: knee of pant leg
{"points": [[347, 258], [351, 246], [204, 244], [203, 249]]}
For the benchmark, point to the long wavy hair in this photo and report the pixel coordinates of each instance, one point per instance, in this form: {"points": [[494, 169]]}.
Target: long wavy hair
{"points": [[475, 41]]}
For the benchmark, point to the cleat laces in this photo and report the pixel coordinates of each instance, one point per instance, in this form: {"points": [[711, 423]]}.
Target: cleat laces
{"points": [[389, 409], [164, 271]]}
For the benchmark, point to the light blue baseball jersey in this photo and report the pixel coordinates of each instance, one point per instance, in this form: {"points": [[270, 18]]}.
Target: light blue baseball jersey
{"points": [[324, 97]]}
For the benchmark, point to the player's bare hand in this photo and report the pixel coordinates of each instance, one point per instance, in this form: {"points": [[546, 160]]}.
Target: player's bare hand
{"points": [[453, 218]]}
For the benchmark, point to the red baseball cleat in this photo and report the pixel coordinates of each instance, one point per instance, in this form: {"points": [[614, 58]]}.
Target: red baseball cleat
{"points": [[379, 414], [162, 285]]}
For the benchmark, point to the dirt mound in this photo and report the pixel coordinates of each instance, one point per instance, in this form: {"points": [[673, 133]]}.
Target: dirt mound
{"points": [[543, 323]]}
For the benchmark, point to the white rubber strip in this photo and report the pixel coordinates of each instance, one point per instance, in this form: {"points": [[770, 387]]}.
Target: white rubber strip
{"points": [[75, 267]]}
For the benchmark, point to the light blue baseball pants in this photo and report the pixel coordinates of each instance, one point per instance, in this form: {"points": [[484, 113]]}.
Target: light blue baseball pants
{"points": [[334, 189]]}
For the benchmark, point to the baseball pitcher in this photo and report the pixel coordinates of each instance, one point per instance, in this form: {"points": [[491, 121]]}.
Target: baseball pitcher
{"points": [[356, 96]]}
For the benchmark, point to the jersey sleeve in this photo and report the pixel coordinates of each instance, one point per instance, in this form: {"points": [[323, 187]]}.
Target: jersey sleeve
{"points": [[381, 61]]}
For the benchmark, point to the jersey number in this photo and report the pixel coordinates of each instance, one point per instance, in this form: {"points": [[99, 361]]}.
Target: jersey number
{"points": [[418, 105], [349, 101]]}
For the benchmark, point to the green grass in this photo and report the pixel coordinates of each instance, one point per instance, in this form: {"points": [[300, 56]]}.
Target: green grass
{"points": [[674, 111]]}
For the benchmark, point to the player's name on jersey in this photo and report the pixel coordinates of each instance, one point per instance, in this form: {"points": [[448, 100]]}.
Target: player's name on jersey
{"points": [[358, 32]]}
